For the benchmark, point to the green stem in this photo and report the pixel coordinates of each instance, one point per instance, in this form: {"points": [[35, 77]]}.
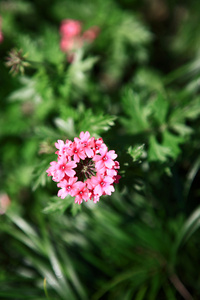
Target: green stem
{"points": [[45, 288]]}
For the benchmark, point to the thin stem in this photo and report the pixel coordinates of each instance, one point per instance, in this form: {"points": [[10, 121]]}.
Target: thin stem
{"points": [[179, 286], [45, 288]]}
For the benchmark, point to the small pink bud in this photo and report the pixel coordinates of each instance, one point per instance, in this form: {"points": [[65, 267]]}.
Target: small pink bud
{"points": [[4, 203], [70, 28], [91, 34], [1, 37]]}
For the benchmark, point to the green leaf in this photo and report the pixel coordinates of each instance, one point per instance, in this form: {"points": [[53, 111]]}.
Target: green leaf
{"points": [[155, 286], [40, 175], [182, 129], [77, 71], [160, 108], [141, 293], [27, 92], [131, 24], [95, 124], [136, 152], [44, 132], [75, 209], [192, 111], [169, 292], [194, 169], [50, 46], [158, 152], [58, 205], [191, 225], [66, 126], [31, 47], [148, 81], [172, 142], [137, 121]]}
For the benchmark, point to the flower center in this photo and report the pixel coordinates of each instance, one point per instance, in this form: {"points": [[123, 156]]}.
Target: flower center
{"points": [[85, 169]]}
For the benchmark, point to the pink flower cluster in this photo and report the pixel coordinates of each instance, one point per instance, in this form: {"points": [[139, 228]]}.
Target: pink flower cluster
{"points": [[1, 34], [72, 37], [85, 169]]}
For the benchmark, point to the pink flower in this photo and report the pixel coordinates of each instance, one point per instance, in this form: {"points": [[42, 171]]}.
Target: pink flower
{"points": [[91, 34], [70, 44], [103, 185], [66, 167], [85, 169], [63, 147], [4, 203], [77, 152], [70, 28], [1, 37], [117, 178], [68, 187], [1, 34], [72, 39], [98, 144], [59, 169], [87, 143], [51, 171], [105, 158], [81, 193], [66, 44]]}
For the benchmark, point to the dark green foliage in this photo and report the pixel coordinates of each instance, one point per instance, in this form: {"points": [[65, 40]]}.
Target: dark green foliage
{"points": [[137, 87]]}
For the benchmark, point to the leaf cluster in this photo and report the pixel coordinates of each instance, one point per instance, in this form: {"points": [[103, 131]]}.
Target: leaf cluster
{"points": [[137, 87]]}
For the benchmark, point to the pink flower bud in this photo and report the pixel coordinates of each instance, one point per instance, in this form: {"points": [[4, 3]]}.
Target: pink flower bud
{"points": [[70, 28], [1, 37], [4, 203], [91, 34], [1, 34]]}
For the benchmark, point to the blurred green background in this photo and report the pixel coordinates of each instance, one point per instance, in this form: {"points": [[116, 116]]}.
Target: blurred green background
{"points": [[137, 85]]}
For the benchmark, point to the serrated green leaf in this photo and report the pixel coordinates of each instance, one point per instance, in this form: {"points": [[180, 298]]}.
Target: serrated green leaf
{"points": [[193, 111], [66, 126], [182, 129], [136, 152], [77, 72], [148, 80], [95, 124], [160, 108], [51, 48], [75, 209], [157, 152], [131, 25], [31, 47], [172, 142], [40, 175], [58, 205], [27, 92], [46, 132], [138, 114]]}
